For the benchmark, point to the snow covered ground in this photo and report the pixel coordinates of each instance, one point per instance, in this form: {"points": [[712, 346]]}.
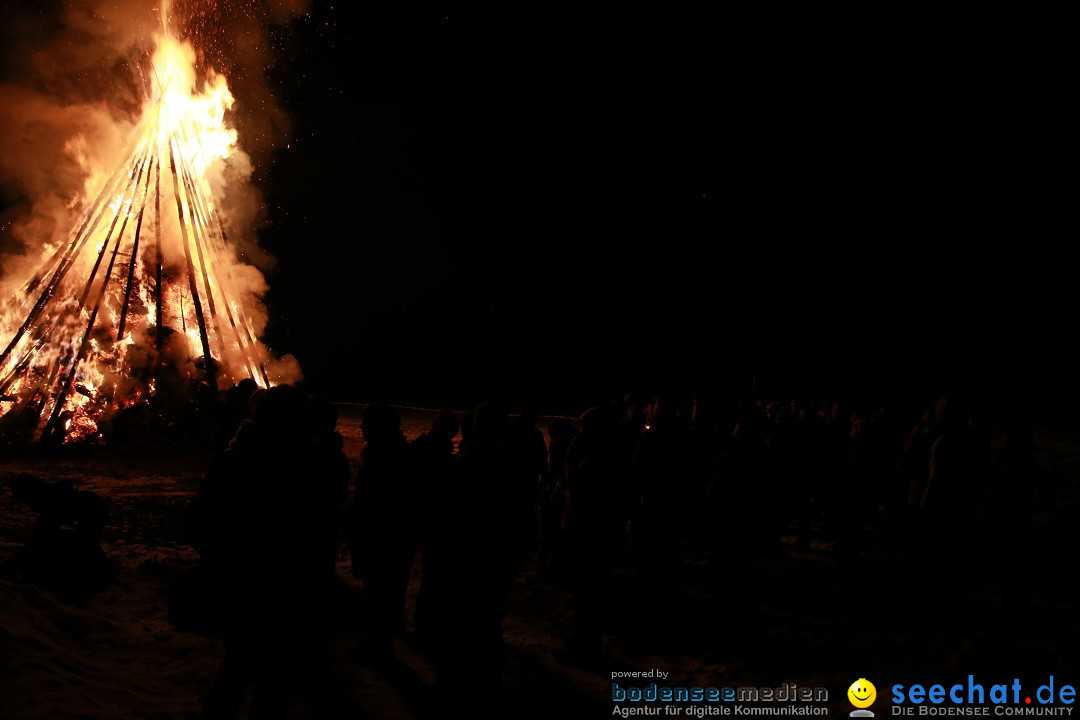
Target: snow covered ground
{"points": [[814, 622]]}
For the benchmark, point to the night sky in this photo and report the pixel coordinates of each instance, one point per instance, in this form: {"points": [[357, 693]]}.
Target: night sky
{"points": [[566, 203]]}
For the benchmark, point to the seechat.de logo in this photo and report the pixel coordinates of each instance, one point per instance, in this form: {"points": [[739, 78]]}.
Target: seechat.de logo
{"points": [[973, 698]]}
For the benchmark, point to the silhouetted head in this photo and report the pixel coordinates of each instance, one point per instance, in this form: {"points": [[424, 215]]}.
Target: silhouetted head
{"points": [[749, 428], [491, 427], [246, 387], [950, 413], [859, 427], [282, 409], [530, 414], [560, 428], [380, 423], [598, 422], [253, 401], [237, 396], [700, 410], [772, 409], [467, 423], [27, 488], [445, 425], [663, 406], [1017, 438]]}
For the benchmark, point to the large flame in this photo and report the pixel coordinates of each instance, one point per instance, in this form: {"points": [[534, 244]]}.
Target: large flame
{"points": [[145, 297], [189, 110]]}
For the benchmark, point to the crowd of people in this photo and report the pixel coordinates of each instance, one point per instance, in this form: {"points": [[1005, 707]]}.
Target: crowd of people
{"points": [[633, 485], [275, 509]]}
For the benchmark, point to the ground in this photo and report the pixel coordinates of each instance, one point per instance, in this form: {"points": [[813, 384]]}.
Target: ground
{"points": [[811, 621]]}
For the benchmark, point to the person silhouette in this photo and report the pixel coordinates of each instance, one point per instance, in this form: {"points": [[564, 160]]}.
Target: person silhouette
{"points": [[434, 455], [590, 524], [480, 558], [251, 524], [63, 553], [383, 527]]}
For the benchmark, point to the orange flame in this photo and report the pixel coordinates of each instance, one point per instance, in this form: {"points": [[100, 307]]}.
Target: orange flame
{"points": [[146, 289]]}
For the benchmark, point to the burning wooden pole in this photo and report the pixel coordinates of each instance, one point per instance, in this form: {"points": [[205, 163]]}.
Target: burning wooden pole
{"points": [[197, 230], [69, 376], [208, 359], [74, 249], [241, 319], [206, 221], [105, 191], [134, 258], [240, 322], [194, 199], [158, 309], [134, 185]]}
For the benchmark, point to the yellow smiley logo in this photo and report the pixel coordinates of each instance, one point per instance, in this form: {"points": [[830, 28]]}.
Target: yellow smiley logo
{"points": [[862, 693]]}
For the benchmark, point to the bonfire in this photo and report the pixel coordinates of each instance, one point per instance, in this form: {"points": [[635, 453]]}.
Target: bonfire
{"points": [[143, 299]]}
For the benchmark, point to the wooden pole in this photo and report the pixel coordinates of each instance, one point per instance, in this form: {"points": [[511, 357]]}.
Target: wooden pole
{"points": [[192, 284], [232, 288], [194, 198], [205, 222], [157, 261], [134, 258], [129, 155], [241, 320], [69, 376], [73, 251], [197, 229], [108, 236]]}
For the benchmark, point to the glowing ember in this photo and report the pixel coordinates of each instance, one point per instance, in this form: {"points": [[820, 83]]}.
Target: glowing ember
{"points": [[145, 292]]}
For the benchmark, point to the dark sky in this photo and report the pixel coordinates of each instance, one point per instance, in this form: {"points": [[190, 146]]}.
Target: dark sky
{"points": [[570, 200], [575, 202]]}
